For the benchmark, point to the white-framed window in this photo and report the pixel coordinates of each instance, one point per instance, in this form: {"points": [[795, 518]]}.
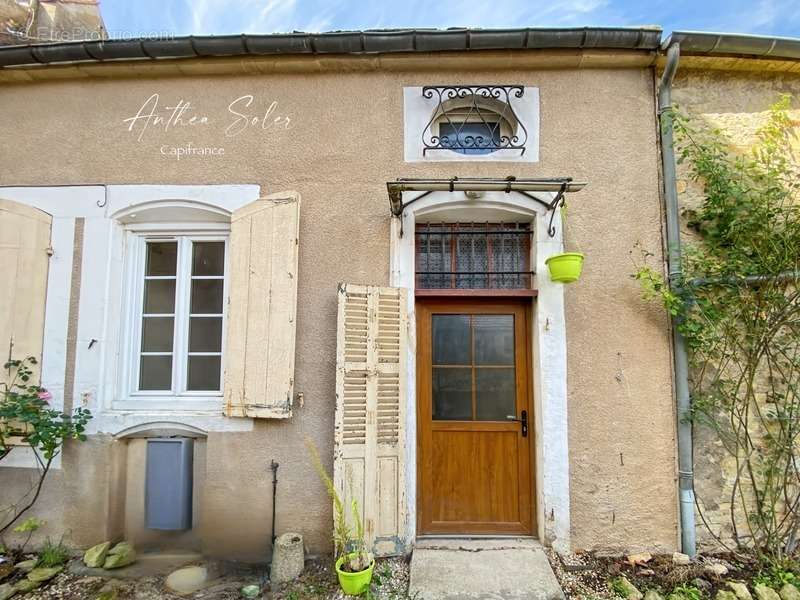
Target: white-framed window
{"points": [[173, 349]]}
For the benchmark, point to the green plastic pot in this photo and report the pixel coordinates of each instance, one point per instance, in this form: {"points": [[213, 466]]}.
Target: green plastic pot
{"points": [[354, 584], [565, 267]]}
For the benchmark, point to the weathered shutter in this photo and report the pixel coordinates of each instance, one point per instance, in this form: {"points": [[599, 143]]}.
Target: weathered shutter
{"points": [[24, 260], [259, 373], [370, 410]]}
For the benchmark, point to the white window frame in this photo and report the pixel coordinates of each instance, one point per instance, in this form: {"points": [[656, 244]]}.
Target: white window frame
{"points": [[418, 111], [179, 398]]}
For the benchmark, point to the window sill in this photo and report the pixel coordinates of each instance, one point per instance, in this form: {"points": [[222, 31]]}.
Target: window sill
{"points": [[117, 421]]}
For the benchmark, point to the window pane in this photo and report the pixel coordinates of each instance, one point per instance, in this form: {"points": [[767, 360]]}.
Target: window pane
{"points": [[451, 340], [205, 334], [494, 339], [159, 296], [157, 334], [207, 296], [452, 394], [204, 373], [495, 397], [208, 258], [155, 373], [470, 138], [162, 257]]}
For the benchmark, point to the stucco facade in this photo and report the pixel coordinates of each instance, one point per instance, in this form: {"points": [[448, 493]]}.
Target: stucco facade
{"points": [[335, 135]]}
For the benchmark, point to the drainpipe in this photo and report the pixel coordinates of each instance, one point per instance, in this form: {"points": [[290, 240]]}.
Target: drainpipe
{"points": [[680, 359]]}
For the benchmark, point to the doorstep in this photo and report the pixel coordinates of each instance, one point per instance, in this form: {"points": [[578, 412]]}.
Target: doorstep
{"points": [[466, 568]]}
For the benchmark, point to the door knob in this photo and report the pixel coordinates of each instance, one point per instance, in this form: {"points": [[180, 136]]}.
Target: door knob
{"points": [[523, 419]]}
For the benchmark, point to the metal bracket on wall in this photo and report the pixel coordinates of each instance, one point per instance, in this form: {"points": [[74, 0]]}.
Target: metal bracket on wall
{"points": [[510, 184]]}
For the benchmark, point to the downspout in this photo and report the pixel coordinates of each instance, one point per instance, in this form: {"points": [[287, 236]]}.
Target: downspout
{"points": [[680, 359]]}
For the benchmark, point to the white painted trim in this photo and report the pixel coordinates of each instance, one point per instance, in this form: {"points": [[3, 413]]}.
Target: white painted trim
{"points": [[103, 290], [549, 348], [418, 111]]}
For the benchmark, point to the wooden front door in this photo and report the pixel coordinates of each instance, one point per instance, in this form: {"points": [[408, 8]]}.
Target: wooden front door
{"points": [[473, 389]]}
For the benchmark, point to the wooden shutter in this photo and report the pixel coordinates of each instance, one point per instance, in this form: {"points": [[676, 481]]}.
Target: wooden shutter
{"points": [[259, 373], [24, 261], [370, 410]]}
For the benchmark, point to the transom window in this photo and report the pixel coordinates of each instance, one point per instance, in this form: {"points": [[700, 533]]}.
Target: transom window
{"points": [[473, 256], [180, 319]]}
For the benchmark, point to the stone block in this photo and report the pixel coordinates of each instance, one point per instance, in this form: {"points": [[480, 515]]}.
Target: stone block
{"points": [[288, 558]]}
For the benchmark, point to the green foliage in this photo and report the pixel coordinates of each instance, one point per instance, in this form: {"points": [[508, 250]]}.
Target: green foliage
{"points": [[24, 411], [53, 554], [737, 306], [686, 592], [618, 587], [29, 525], [776, 576], [348, 541]]}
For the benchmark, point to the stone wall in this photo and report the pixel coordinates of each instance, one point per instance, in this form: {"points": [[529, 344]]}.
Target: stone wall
{"points": [[736, 103]]}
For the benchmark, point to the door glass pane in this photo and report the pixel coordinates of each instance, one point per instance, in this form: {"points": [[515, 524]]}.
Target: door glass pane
{"points": [[155, 373], [208, 258], [451, 340], [157, 334], [162, 258], [452, 393], [203, 373], [205, 334], [159, 296], [494, 339], [207, 296], [494, 394]]}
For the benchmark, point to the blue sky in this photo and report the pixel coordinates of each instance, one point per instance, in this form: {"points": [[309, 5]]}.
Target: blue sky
{"points": [[126, 18]]}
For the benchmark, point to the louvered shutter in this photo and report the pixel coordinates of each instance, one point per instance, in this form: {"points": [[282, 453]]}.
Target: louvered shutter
{"points": [[259, 373], [24, 261], [370, 410]]}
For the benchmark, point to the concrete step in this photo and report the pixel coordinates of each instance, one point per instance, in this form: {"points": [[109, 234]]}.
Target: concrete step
{"points": [[463, 569]]}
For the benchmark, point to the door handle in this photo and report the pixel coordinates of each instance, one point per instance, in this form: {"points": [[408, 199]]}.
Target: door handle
{"points": [[523, 419]]}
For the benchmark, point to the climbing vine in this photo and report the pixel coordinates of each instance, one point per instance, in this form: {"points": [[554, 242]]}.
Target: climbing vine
{"points": [[737, 305]]}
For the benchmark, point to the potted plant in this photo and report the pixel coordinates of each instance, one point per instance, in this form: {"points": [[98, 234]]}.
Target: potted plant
{"points": [[565, 267], [354, 563]]}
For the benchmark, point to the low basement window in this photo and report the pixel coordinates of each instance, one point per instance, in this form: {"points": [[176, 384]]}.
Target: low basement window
{"points": [[473, 256]]}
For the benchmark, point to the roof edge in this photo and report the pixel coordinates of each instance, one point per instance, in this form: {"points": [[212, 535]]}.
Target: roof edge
{"points": [[706, 43], [369, 42]]}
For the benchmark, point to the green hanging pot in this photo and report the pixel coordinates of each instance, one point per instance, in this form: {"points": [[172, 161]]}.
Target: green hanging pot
{"points": [[354, 584], [565, 267]]}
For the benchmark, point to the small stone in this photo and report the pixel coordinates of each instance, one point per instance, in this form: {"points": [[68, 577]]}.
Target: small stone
{"points": [[627, 588], [6, 591], [678, 558], [95, 556], [725, 595], [288, 558], [26, 585], [789, 592], [250, 591], [119, 556], [716, 569], [646, 573], [740, 589], [43, 574], [764, 592], [187, 580], [652, 595], [26, 566], [639, 559], [702, 585]]}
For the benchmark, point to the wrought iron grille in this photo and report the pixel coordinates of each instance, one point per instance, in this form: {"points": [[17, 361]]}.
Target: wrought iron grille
{"points": [[473, 256], [474, 119]]}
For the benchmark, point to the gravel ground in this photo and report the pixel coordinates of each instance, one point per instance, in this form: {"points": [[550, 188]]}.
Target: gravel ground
{"points": [[587, 576], [390, 582]]}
